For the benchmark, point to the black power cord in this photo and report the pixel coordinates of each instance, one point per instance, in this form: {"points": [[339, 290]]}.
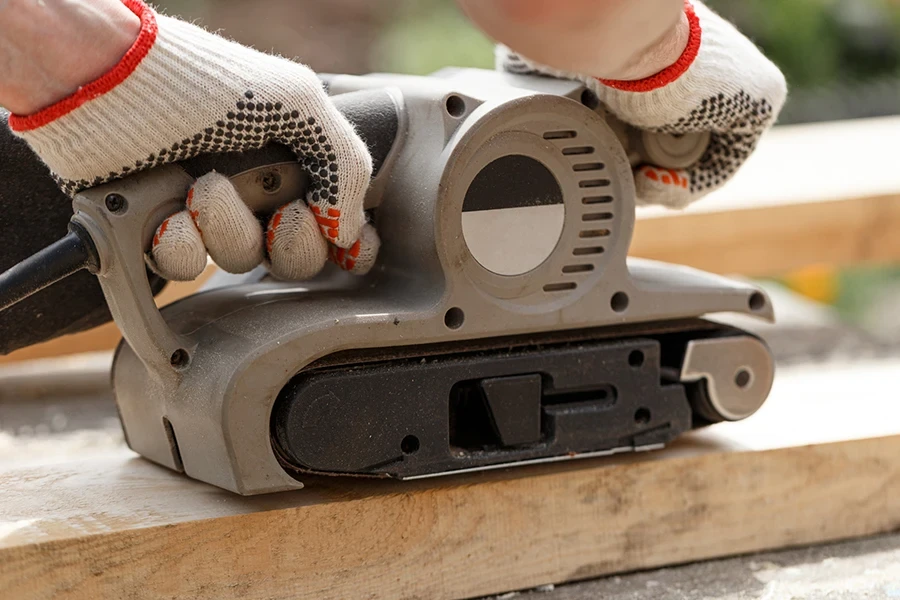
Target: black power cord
{"points": [[74, 252]]}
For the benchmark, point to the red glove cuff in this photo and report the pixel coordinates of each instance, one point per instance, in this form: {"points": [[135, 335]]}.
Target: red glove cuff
{"points": [[142, 45], [672, 72]]}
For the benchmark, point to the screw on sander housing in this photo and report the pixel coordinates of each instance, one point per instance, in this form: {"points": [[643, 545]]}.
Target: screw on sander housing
{"points": [[116, 203]]}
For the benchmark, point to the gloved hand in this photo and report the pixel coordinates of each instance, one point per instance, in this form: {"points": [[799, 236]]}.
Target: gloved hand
{"points": [[182, 91], [721, 84]]}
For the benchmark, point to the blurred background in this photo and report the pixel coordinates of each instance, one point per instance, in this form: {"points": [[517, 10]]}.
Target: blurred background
{"points": [[841, 59]]}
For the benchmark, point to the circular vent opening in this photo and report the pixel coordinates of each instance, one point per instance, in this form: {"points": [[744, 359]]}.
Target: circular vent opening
{"points": [[513, 215]]}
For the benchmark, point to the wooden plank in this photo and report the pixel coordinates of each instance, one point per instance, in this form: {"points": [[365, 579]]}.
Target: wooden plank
{"points": [[82, 374], [770, 241], [811, 194], [820, 462]]}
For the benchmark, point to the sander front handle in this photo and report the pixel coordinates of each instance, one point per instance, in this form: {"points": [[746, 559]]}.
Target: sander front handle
{"points": [[271, 176], [113, 224]]}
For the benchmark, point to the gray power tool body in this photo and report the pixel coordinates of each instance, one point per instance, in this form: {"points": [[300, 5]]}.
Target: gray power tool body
{"points": [[504, 323]]}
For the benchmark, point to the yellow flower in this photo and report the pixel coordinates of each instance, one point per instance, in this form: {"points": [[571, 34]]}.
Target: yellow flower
{"points": [[817, 282]]}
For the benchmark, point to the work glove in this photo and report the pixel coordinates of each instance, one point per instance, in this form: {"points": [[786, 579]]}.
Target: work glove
{"points": [[181, 91], [721, 84]]}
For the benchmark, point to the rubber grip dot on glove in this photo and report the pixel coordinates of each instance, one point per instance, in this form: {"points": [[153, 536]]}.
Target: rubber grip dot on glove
{"points": [[328, 222], [360, 257]]}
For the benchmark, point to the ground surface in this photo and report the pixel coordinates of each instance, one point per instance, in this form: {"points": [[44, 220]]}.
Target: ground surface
{"points": [[853, 570]]}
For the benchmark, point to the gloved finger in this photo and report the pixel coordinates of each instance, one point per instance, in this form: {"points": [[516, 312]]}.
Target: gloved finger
{"points": [[178, 253], [297, 251], [340, 169], [230, 231], [722, 84], [360, 257], [666, 187]]}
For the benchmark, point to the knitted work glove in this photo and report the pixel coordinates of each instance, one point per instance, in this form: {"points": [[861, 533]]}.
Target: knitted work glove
{"points": [[182, 91], [721, 84]]}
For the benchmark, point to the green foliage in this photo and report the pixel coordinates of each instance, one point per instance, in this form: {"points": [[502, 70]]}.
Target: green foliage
{"points": [[819, 42], [428, 35], [815, 42], [860, 286], [797, 36]]}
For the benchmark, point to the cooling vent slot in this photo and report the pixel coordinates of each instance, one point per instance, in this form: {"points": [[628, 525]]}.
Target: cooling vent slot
{"points": [[589, 249]]}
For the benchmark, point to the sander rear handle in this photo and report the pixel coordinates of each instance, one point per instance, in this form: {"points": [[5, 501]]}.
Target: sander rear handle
{"points": [[266, 178]]}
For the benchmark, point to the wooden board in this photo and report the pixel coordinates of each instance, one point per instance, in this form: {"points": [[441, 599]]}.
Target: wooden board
{"points": [[820, 462], [816, 194]]}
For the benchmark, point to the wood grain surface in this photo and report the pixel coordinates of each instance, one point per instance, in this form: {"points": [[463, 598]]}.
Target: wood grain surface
{"points": [[816, 194], [820, 462]]}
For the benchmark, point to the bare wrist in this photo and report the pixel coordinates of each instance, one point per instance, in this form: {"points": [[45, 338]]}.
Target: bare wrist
{"points": [[608, 39], [662, 54], [51, 48]]}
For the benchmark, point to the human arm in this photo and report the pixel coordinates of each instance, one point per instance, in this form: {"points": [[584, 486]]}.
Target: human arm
{"points": [[88, 39], [719, 82], [177, 91], [614, 39]]}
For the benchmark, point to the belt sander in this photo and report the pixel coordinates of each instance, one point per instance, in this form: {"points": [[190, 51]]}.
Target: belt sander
{"points": [[504, 323]]}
